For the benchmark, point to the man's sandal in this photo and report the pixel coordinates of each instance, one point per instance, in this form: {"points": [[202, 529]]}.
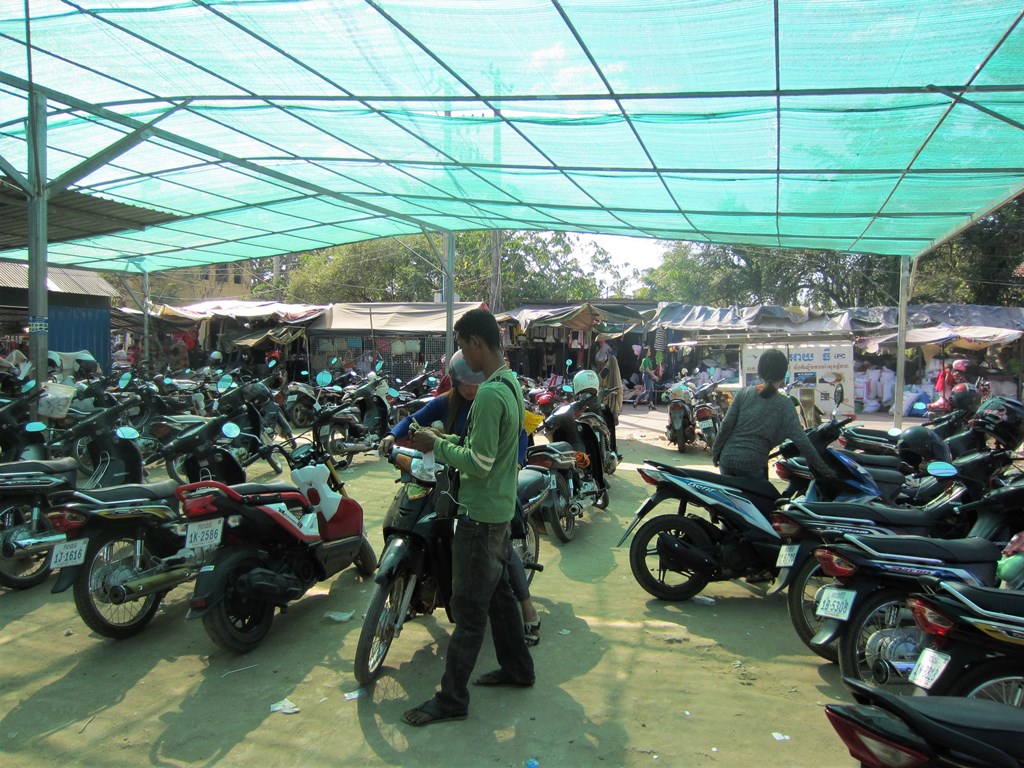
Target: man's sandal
{"points": [[429, 713], [500, 677]]}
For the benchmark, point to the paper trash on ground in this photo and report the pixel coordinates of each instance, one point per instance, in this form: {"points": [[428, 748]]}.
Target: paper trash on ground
{"points": [[339, 616], [285, 707]]}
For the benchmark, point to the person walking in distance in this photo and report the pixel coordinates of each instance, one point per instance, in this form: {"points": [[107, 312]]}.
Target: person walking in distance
{"points": [[487, 461], [760, 418], [649, 375]]}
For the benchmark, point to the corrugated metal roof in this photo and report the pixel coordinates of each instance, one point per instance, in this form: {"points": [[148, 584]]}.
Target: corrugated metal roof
{"points": [[80, 282]]}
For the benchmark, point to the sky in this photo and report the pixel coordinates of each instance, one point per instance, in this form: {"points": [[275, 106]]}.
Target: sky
{"points": [[629, 253]]}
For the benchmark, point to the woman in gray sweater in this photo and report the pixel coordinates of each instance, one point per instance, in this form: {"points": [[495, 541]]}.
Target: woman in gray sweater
{"points": [[758, 420]]}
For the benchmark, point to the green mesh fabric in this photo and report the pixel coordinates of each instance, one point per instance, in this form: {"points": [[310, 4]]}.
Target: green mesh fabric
{"points": [[286, 125]]}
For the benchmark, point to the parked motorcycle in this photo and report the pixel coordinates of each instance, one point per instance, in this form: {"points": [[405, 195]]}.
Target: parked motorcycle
{"points": [[682, 424], [883, 731], [273, 542]]}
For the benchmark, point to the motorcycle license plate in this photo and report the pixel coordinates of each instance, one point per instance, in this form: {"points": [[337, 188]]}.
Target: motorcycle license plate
{"points": [[69, 553], [291, 398], [928, 668], [835, 603], [706, 423], [787, 555], [204, 534]]}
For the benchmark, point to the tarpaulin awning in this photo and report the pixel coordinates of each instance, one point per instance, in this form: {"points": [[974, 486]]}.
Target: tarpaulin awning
{"points": [[282, 335], [265, 127], [240, 310], [963, 337], [388, 319], [578, 317]]}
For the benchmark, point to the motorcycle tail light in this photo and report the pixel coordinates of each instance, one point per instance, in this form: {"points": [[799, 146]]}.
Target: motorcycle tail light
{"points": [[783, 471], [928, 619], [545, 399], [702, 413], [842, 440], [834, 564], [649, 478], [872, 750], [541, 461], [64, 521], [198, 506], [785, 526]]}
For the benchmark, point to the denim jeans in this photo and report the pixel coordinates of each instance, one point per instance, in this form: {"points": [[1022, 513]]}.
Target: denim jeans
{"points": [[480, 590], [648, 395]]}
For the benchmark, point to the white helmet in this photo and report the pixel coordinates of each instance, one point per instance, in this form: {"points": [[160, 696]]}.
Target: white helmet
{"points": [[216, 356], [584, 380]]}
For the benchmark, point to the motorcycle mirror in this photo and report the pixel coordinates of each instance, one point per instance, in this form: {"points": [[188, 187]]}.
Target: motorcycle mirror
{"points": [[231, 430], [919, 406], [271, 363], [711, 370], [336, 388], [378, 366], [168, 380], [35, 426], [894, 432], [838, 393], [431, 380], [188, 371], [124, 381], [28, 386], [567, 388], [334, 361], [219, 371], [304, 373], [127, 433], [324, 378], [224, 383], [568, 363], [392, 392], [941, 469]]}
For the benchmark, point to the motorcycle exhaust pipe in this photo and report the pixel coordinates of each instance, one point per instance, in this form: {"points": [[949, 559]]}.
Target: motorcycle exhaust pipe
{"points": [[351, 447], [32, 545], [681, 556], [891, 672], [136, 589]]}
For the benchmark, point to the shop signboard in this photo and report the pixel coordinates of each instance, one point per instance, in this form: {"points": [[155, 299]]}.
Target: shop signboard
{"points": [[816, 367]]}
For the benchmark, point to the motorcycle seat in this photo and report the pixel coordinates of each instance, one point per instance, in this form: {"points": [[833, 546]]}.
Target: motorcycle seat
{"points": [[990, 722], [559, 447], [163, 491], [970, 550], [895, 517], [52, 467], [249, 488], [872, 435], [876, 460], [754, 485], [1005, 601], [532, 482]]}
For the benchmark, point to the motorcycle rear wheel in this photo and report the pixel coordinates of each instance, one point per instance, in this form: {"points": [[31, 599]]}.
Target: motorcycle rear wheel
{"points": [[645, 562], [1000, 680], [680, 440], [801, 599], [529, 548], [379, 629], [108, 563], [238, 622], [558, 515], [301, 416], [709, 436], [366, 560], [21, 572], [861, 647]]}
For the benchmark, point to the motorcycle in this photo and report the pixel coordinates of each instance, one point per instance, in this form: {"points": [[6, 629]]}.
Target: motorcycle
{"points": [[272, 543], [15, 442], [708, 412], [883, 731], [362, 419], [415, 572], [682, 425]]}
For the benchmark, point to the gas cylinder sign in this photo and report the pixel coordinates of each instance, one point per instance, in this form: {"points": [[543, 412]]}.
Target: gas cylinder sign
{"points": [[813, 366]]}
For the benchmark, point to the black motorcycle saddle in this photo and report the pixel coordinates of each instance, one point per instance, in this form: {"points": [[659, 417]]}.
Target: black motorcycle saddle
{"points": [[879, 460], [971, 550], [894, 516], [1006, 601], [53, 467], [531, 483], [754, 485], [134, 491], [561, 447], [989, 722], [250, 488]]}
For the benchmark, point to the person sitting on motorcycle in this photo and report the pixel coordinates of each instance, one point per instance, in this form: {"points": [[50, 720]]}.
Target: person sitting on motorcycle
{"points": [[586, 383], [451, 409], [759, 419]]}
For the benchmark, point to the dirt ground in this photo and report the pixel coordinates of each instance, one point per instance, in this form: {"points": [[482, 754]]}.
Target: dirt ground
{"points": [[622, 679]]}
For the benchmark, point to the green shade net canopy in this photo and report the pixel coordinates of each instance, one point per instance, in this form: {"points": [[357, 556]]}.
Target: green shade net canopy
{"points": [[262, 127]]}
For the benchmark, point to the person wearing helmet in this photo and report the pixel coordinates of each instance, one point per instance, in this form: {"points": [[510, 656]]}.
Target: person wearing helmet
{"points": [[965, 397], [450, 410], [918, 446], [588, 383], [758, 419]]}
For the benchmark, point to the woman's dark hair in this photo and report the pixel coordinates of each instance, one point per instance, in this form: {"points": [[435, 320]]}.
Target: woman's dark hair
{"points": [[772, 367], [455, 403], [479, 323]]}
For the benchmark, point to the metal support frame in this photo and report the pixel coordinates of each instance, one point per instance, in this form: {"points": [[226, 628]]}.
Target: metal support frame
{"points": [[38, 311], [449, 295], [145, 318], [901, 343]]}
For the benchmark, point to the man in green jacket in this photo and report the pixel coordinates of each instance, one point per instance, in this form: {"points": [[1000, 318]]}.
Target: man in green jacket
{"points": [[488, 464]]}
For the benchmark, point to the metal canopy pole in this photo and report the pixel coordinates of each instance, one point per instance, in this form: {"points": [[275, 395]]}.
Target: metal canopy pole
{"points": [[38, 313], [901, 342], [449, 295], [145, 317]]}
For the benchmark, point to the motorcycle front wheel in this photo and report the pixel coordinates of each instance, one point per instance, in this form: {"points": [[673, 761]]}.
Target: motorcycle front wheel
{"points": [[21, 571], [655, 575], [879, 635], [379, 629], [239, 622], [528, 548], [301, 416], [332, 437], [802, 601], [109, 562], [559, 515], [1000, 680]]}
